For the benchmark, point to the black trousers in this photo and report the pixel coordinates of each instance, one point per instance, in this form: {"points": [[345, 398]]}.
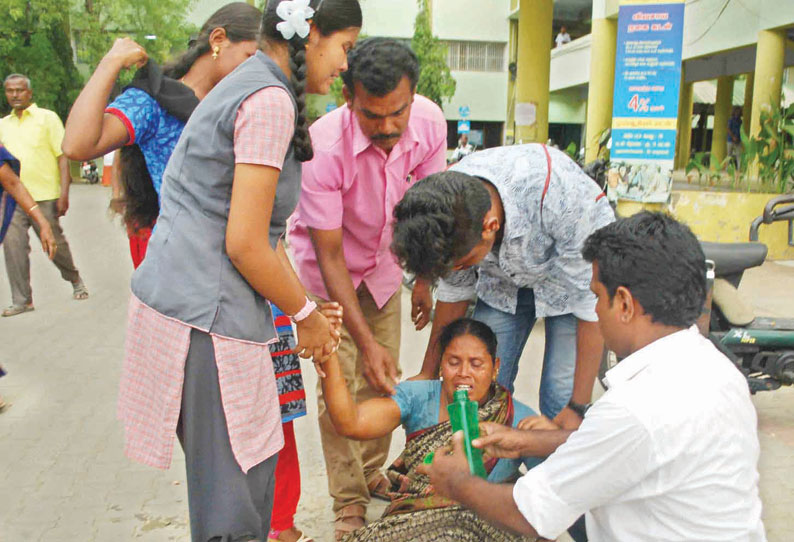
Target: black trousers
{"points": [[226, 504]]}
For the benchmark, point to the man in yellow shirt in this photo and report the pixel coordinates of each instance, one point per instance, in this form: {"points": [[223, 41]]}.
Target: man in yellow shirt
{"points": [[33, 135]]}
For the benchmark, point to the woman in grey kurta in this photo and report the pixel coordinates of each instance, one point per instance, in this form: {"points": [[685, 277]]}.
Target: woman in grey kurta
{"points": [[199, 325]]}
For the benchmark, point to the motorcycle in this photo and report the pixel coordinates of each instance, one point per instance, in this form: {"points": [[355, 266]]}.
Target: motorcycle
{"points": [[762, 348], [90, 172]]}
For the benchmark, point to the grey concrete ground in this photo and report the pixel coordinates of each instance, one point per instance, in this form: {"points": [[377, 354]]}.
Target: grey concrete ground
{"points": [[63, 476]]}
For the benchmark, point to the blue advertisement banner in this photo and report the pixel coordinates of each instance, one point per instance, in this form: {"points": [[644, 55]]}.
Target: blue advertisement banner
{"points": [[645, 106]]}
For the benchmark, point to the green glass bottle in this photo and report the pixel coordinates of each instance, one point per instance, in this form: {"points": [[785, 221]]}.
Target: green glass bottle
{"points": [[463, 417]]}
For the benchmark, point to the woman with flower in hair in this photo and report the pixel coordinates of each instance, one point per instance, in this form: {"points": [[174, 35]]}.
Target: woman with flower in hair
{"points": [[197, 361], [146, 120]]}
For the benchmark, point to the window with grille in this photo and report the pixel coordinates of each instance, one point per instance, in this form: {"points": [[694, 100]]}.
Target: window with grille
{"points": [[476, 56]]}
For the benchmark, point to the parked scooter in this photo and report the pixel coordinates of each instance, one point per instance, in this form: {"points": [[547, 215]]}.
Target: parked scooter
{"points": [[762, 348], [90, 172]]}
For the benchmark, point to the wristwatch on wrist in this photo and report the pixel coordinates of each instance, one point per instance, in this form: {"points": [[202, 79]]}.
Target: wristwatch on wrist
{"points": [[579, 408]]}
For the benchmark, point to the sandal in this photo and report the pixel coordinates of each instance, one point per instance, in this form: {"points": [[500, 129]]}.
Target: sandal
{"points": [[80, 291], [13, 310], [379, 488], [273, 536], [348, 519]]}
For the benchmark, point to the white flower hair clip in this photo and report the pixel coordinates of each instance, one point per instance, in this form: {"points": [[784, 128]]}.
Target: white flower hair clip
{"points": [[295, 15]]}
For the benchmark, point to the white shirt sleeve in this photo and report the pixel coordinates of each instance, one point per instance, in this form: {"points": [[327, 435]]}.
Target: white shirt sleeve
{"points": [[609, 453]]}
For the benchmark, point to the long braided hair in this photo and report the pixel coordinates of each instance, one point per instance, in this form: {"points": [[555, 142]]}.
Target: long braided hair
{"points": [[141, 204], [330, 16]]}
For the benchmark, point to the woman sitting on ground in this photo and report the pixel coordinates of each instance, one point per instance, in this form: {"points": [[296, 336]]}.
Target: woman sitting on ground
{"points": [[468, 359]]}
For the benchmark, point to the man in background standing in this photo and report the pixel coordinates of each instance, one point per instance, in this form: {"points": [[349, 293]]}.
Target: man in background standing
{"points": [[366, 155], [563, 37], [34, 135], [735, 135], [464, 149]]}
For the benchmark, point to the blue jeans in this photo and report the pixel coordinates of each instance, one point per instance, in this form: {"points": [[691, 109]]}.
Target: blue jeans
{"points": [[559, 359]]}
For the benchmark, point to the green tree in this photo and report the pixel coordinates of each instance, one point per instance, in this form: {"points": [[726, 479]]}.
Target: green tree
{"points": [[158, 25], [36, 39], [435, 80]]}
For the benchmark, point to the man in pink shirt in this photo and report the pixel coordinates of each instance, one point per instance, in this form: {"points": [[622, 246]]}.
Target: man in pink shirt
{"points": [[366, 155]]}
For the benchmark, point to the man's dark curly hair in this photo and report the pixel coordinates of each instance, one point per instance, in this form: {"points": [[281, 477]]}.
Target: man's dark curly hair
{"points": [[658, 260], [379, 64], [438, 221]]}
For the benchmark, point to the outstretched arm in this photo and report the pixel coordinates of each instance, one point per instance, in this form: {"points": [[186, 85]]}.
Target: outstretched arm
{"points": [[11, 184], [371, 419], [498, 440], [380, 369], [90, 132], [450, 476]]}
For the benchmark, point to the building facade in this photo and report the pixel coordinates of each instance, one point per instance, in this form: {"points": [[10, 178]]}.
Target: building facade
{"points": [[476, 33], [734, 53]]}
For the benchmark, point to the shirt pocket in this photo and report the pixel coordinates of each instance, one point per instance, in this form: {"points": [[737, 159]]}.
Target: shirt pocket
{"points": [[37, 136]]}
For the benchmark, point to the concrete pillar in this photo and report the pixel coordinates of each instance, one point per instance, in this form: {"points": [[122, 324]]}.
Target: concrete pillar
{"points": [[768, 75], [748, 103], [602, 83], [684, 125], [534, 58], [722, 112]]}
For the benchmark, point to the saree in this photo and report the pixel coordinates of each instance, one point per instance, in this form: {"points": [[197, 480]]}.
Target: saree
{"points": [[416, 512]]}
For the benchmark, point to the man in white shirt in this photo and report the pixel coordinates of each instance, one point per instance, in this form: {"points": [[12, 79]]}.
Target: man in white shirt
{"points": [[464, 149], [563, 37], [670, 451]]}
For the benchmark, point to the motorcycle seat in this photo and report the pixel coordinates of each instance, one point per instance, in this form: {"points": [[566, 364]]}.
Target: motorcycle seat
{"points": [[730, 258], [732, 304]]}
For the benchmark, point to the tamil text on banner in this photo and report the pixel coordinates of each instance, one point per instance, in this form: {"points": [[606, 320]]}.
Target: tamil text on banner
{"points": [[645, 108]]}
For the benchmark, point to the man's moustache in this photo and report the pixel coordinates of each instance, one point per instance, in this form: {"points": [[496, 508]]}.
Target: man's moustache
{"points": [[382, 137]]}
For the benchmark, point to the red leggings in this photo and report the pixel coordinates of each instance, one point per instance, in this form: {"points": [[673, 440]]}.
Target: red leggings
{"points": [[288, 483], [138, 243]]}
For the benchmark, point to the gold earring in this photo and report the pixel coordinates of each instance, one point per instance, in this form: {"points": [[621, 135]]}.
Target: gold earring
{"points": [[215, 52]]}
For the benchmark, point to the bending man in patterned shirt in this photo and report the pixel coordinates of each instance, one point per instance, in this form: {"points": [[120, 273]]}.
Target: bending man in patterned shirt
{"points": [[506, 226]]}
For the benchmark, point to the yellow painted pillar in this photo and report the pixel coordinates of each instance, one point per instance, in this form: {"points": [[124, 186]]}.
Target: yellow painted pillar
{"points": [[684, 125], [748, 102], [510, 132], [602, 83], [532, 81], [768, 75], [722, 112]]}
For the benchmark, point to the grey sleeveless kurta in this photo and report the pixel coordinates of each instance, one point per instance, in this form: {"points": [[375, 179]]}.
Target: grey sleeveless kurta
{"points": [[187, 274]]}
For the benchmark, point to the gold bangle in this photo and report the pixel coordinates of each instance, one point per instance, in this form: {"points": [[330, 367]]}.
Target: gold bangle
{"points": [[33, 208]]}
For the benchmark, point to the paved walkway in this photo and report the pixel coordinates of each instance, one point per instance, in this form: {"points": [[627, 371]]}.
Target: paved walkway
{"points": [[62, 473]]}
